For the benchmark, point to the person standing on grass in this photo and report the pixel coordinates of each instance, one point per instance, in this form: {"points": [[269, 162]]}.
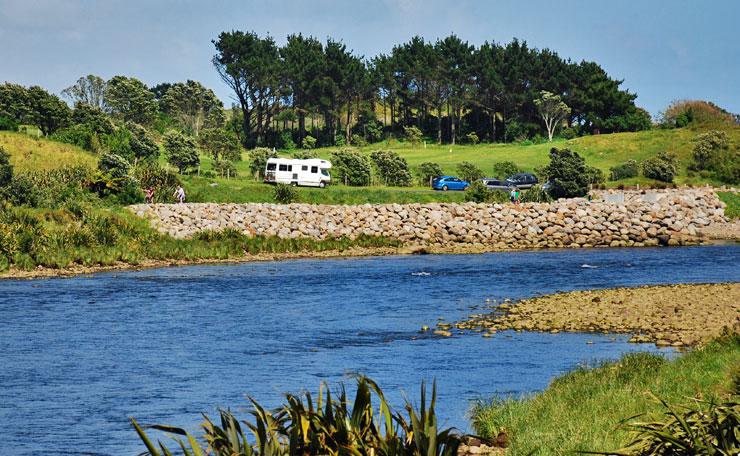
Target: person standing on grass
{"points": [[180, 194], [513, 194]]}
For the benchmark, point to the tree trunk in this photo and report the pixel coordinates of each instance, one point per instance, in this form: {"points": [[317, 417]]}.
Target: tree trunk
{"points": [[439, 124], [452, 125], [301, 127], [349, 114]]}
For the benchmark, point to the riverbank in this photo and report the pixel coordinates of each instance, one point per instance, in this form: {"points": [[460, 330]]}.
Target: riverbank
{"points": [[667, 315], [584, 410]]}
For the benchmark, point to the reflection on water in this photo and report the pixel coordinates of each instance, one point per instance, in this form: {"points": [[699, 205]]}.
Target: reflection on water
{"points": [[80, 355]]}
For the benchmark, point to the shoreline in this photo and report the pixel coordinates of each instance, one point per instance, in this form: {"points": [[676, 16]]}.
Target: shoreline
{"points": [[356, 252], [678, 315]]}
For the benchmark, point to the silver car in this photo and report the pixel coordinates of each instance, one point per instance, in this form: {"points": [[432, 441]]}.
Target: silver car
{"points": [[496, 184]]}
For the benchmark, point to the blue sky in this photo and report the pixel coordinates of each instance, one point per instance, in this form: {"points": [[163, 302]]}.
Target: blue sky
{"points": [[664, 50]]}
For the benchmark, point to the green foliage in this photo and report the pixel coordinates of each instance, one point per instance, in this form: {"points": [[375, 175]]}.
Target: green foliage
{"points": [[469, 172], [285, 194], [392, 168], [568, 172], [141, 143], [87, 91], [505, 169], [181, 151], [225, 168], [8, 124], [732, 200], [303, 154], [130, 100], [160, 179], [427, 171], [286, 140], [358, 140], [535, 194], [412, 134], [626, 170], [79, 135], [662, 167], [221, 144], [472, 138], [48, 188], [351, 167], [193, 106], [33, 106], [114, 165], [582, 410], [309, 142], [6, 168], [478, 192], [258, 160], [595, 175], [324, 425], [553, 111], [706, 147], [702, 427]]}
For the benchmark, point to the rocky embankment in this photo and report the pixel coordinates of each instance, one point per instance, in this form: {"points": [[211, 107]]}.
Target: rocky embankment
{"points": [[670, 217], [670, 315]]}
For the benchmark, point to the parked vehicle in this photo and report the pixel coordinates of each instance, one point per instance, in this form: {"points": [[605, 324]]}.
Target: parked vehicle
{"points": [[312, 172], [495, 184], [522, 180], [445, 183]]}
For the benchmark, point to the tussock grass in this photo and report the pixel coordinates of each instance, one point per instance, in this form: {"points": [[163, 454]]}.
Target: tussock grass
{"points": [[80, 235], [582, 410], [733, 204]]}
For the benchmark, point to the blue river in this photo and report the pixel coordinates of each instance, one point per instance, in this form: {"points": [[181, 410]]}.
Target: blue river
{"points": [[78, 356]]}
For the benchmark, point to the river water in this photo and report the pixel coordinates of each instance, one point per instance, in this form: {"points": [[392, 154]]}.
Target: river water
{"points": [[79, 355]]}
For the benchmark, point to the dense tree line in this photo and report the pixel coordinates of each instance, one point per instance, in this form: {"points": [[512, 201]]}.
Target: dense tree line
{"points": [[448, 89]]}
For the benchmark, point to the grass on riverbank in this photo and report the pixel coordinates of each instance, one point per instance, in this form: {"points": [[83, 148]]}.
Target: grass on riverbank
{"points": [[732, 200], [582, 410], [91, 236]]}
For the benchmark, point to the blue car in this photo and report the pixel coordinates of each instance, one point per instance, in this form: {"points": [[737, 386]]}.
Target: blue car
{"points": [[445, 183]]}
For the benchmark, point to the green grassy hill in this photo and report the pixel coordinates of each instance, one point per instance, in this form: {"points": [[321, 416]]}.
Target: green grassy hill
{"points": [[31, 154], [602, 151]]}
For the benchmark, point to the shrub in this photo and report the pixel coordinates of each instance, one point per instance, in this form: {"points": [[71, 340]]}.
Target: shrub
{"points": [[505, 169], [628, 169], [427, 171], [181, 151], [285, 194], [258, 160], [142, 143], [469, 172], [286, 140], [536, 194], [412, 134], [309, 142], [595, 175], [472, 138], [568, 172], [392, 168], [79, 135], [221, 144], [114, 165], [569, 133], [726, 166], [21, 191], [224, 168], [303, 154], [339, 140], [706, 148], [6, 169], [662, 167], [479, 193], [8, 124], [374, 131], [351, 167], [358, 140], [163, 181]]}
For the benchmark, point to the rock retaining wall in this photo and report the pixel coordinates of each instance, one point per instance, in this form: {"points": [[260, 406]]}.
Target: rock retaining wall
{"points": [[676, 217]]}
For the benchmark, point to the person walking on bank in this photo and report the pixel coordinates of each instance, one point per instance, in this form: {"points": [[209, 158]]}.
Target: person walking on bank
{"points": [[149, 195], [514, 194], [180, 194]]}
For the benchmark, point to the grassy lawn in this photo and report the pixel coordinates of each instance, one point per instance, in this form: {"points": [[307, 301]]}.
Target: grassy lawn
{"points": [[581, 411], [733, 204], [602, 151]]}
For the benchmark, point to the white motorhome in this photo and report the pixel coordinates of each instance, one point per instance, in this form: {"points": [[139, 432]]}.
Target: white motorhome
{"points": [[312, 172]]}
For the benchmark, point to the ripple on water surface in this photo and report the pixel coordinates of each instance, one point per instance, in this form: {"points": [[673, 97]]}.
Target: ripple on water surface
{"points": [[79, 355]]}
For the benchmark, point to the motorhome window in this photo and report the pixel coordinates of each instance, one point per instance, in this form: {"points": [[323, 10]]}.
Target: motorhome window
{"points": [[304, 168], [283, 167], [271, 166], [290, 167], [314, 169], [324, 172]]}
